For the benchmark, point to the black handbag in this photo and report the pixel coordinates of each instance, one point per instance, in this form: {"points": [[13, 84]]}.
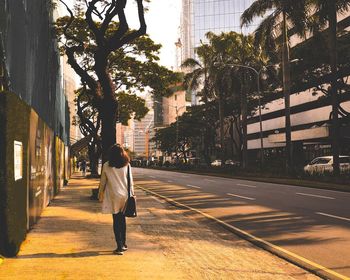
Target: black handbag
{"points": [[130, 207]]}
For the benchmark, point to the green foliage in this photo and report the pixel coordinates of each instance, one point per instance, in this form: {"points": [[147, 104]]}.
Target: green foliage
{"points": [[193, 126], [131, 105], [132, 67], [166, 139], [265, 34]]}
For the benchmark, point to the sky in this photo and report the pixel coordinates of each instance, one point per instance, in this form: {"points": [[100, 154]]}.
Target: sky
{"points": [[163, 21]]}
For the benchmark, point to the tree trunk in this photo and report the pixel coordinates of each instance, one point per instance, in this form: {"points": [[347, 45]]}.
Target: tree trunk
{"points": [[222, 134], [286, 88], [93, 157], [185, 155], [108, 113], [334, 89], [244, 131]]}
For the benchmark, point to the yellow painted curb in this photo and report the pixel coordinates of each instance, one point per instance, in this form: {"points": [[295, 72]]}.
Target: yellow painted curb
{"points": [[285, 254]]}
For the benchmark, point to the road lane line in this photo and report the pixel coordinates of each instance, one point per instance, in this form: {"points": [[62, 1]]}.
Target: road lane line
{"points": [[192, 186], [333, 216], [279, 251], [244, 185], [209, 180], [315, 195], [244, 197], [169, 181], [153, 177]]}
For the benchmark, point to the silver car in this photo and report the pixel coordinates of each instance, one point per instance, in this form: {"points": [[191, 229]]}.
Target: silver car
{"points": [[324, 164]]}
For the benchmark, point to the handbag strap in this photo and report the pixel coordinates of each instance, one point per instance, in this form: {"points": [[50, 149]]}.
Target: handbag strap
{"points": [[129, 183]]}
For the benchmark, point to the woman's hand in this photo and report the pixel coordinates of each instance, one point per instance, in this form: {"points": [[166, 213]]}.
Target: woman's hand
{"points": [[100, 196]]}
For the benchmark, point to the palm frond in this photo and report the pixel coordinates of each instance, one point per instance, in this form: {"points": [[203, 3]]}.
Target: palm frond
{"points": [[193, 79], [265, 34], [258, 9], [192, 63], [297, 14]]}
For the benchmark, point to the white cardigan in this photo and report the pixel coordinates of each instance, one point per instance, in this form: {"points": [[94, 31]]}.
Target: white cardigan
{"points": [[113, 189]]}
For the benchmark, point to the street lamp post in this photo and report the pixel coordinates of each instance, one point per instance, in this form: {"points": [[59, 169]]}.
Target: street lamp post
{"points": [[177, 120], [259, 102], [177, 123], [258, 73]]}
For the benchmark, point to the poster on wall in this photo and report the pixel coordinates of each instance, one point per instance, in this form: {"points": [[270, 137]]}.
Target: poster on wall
{"points": [[18, 160]]}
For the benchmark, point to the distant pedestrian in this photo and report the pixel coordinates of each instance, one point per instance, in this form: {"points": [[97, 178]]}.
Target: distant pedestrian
{"points": [[113, 192], [83, 167]]}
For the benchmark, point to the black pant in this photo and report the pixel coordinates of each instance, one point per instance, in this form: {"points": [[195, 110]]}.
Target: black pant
{"points": [[119, 228]]}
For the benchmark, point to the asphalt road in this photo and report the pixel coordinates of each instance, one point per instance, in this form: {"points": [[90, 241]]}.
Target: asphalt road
{"points": [[312, 223]]}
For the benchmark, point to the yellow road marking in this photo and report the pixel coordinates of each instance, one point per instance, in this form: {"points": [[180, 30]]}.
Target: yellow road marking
{"points": [[315, 266]]}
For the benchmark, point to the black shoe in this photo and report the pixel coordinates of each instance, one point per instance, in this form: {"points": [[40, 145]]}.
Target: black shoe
{"points": [[118, 252], [125, 248]]}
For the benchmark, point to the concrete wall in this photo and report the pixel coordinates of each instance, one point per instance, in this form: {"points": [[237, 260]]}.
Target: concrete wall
{"points": [[30, 176]]}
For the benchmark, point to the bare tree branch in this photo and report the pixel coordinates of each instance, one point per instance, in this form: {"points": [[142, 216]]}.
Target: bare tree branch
{"points": [[70, 51], [110, 14], [92, 25], [118, 40]]}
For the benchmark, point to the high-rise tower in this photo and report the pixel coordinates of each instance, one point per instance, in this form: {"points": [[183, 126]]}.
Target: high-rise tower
{"points": [[201, 16]]}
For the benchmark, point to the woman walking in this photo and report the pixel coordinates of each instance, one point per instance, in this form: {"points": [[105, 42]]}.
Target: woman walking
{"points": [[113, 192]]}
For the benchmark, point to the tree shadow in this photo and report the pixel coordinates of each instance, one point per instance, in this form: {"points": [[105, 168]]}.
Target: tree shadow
{"points": [[82, 254]]}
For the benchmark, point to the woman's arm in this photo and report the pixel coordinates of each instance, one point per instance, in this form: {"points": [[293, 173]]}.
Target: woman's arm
{"points": [[102, 186], [131, 183]]}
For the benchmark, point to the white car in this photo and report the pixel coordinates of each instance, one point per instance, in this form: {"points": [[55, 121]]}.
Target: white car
{"points": [[216, 162], [324, 164]]}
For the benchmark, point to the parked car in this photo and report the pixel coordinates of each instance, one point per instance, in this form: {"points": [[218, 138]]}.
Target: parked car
{"points": [[232, 162], [324, 164], [216, 162]]}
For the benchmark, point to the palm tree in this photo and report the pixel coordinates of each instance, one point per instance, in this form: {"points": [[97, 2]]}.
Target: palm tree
{"points": [[202, 79], [222, 79], [325, 13], [286, 14]]}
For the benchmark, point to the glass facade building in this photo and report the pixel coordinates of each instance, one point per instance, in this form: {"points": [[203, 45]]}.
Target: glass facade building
{"points": [[202, 16]]}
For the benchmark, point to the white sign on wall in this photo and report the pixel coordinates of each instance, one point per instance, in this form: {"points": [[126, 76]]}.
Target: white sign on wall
{"points": [[18, 160]]}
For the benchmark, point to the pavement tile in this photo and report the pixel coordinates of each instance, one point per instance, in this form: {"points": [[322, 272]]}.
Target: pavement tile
{"points": [[73, 240]]}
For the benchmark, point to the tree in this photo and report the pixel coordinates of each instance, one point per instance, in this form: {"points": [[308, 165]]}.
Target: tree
{"points": [[89, 122], [190, 128], [222, 78], [237, 52], [325, 13], [202, 79], [287, 14], [104, 53]]}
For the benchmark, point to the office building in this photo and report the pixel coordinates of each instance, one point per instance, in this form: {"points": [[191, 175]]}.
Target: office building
{"points": [[310, 116], [201, 16]]}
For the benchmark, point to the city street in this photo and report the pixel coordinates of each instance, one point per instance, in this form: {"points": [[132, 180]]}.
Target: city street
{"points": [[312, 223], [253, 90], [73, 240]]}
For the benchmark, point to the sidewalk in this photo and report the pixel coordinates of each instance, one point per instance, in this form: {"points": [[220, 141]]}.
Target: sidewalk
{"points": [[73, 240]]}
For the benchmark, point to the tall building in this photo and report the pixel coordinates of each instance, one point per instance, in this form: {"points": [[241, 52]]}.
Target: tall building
{"points": [[143, 131], [173, 106], [201, 16], [310, 115]]}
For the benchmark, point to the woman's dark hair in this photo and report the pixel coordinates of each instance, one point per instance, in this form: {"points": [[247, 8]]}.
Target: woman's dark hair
{"points": [[118, 157]]}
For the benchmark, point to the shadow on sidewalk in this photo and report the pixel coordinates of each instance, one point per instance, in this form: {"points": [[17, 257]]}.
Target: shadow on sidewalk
{"points": [[83, 254]]}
